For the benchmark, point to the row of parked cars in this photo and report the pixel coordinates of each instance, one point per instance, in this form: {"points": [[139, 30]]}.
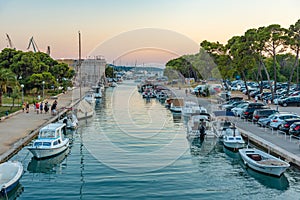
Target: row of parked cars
{"points": [[281, 97], [263, 115]]}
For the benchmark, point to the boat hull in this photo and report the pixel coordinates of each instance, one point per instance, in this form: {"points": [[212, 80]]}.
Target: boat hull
{"points": [[9, 183], [49, 152], [233, 146], [270, 169]]}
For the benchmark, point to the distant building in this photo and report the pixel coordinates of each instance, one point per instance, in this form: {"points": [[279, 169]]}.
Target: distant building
{"points": [[92, 70]]}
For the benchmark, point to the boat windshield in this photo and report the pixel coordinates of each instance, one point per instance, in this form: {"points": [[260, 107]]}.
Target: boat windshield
{"points": [[47, 134]]}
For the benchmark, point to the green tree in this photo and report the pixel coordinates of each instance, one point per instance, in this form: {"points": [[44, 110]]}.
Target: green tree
{"points": [[7, 79], [294, 43], [15, 94]]}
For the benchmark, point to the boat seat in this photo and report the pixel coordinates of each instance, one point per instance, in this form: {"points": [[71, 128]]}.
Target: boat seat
{"points": [[255, 157]]}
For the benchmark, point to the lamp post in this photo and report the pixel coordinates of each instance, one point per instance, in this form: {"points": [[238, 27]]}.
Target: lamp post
{"points": [[22, 86], [43, 90]]}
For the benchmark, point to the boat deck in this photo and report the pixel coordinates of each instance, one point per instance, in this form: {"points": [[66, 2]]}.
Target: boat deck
{"points": [[271, 162]]}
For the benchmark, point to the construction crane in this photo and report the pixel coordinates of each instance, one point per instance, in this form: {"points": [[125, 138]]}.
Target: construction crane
{"points": [[34, 45], [10, 42], [48, 50]]}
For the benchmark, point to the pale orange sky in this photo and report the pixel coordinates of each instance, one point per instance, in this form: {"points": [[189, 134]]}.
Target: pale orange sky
{"points": [[56, 23]]}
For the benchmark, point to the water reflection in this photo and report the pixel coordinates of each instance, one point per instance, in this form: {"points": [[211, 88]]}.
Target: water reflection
{"points": [[176, 117], [49, 165], [13, 194], [279, 183], [199, 147]]}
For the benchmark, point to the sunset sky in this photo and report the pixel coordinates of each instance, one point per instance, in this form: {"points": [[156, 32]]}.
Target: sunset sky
{"points": [[110, 27]]}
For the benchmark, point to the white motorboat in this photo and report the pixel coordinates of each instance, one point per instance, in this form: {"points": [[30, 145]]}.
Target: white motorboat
{"points": [[97, 92], [176, 105], [70, 120], [232, 139], [50, 141], [10, 174], [90, 97], [263, 162], [193, 126], [84, 110], [191, 107]]}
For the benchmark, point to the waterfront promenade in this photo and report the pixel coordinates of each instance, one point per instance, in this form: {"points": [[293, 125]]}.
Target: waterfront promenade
{"points": [[18, 129]]}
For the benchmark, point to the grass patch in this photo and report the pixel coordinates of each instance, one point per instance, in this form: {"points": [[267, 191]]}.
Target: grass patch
{"points": [[4, 109]]}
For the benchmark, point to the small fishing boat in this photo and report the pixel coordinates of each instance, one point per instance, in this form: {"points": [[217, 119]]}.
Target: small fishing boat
{"points": [[263, 162], [10, 174], [97, 92], [193, 126], [232, 139], [70, 120], [50, 141], [191, 107], [176, 105], [90, 97]]}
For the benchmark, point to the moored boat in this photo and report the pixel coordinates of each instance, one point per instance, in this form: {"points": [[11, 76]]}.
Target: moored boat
{"points": [[70, 120], [263, 162], [191, 107], [10, 174], [50, 141], [232, 139], [195, 122], [176, 105], [97, 92]]}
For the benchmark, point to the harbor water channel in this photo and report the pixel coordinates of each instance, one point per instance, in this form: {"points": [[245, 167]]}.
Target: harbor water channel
{"points": [[135, 148]]}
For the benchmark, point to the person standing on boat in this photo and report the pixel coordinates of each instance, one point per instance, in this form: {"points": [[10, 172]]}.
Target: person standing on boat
{"points": [[201, 129]]}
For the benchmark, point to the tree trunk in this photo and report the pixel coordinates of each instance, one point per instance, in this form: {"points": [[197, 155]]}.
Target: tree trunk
{"points": [[293, 70], [245, 82], [275, 71], [1, 93], [268, 75]]}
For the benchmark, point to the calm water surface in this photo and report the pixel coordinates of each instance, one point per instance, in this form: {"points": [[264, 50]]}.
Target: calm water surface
{"points": [[136, 149]]}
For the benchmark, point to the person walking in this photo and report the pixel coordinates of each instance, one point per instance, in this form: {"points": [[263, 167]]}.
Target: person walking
{"points": [[27, 107], [37, 107], [46, 107], [24, 106], [53, 108], [41, 107]]}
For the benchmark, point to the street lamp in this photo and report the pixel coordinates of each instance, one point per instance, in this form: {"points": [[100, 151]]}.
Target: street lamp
{"points": [[43, 89], [22, 86]]}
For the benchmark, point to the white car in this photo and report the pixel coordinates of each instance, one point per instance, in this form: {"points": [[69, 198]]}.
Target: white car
{"points": [[238, 110], [279, 118]]}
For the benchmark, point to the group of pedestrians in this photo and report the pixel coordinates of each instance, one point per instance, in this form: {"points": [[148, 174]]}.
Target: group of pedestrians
{"points": [[41, 107]]}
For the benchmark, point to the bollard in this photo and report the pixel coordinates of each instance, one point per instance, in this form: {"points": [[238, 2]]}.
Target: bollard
{"points": [[272, 130]]}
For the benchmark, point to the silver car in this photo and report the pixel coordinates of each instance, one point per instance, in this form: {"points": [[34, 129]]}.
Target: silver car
{"points": [[276, 122]]}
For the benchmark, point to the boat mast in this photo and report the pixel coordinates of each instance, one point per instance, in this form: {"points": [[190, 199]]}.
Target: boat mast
{"points": [[79, 64]]}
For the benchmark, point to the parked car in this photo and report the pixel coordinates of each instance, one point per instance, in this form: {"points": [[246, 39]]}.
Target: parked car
{"points": [[265, 122], [295, 129], [238, 110], [286, 124], [249, 110], [262, 113], [290, 101], [279, 118], [228, 107]]}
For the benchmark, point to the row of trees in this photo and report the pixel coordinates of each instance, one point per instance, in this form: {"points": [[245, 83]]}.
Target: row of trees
{"points": [[33, 70], [270, 52]]}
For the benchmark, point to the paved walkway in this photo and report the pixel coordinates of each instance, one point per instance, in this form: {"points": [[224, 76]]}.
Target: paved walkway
{"points": [[16, 128]]}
